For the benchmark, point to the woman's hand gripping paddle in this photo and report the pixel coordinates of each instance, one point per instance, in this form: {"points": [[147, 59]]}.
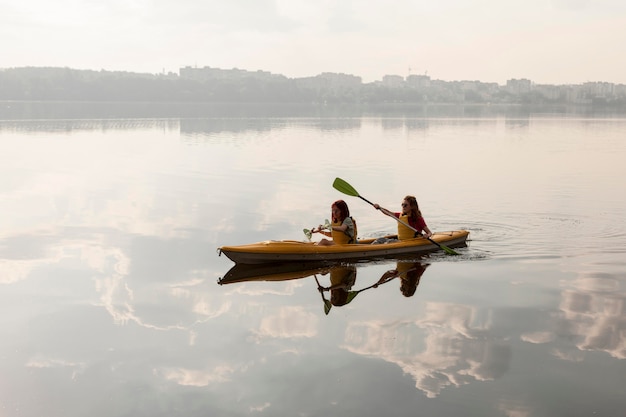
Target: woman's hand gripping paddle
{"points": [[309, 232]]}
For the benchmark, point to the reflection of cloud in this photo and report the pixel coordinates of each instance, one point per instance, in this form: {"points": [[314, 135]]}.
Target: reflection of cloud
{"points": [[538, 337], [288, 196], [109, 267], [446, 347], [14, 270], [40, 362], [201, 304], [288, 322], [60, 188], [261, 288], [594, 311], [460, 318], [195, 377], [259, 408], [571, 356], [117, 297], [592, 314], [514, 409]]}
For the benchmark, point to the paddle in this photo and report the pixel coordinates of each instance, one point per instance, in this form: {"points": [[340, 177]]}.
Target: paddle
{"points": [[309, 233], [327, 303], [344, 187]]}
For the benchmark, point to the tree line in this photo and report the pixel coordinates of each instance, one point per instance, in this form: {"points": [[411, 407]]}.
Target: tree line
{"points": [[65, 84]]}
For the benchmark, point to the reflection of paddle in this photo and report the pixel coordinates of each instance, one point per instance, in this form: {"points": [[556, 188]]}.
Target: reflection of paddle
{"points": [[385, 278], [327, 303], [309, 233], [344, 187]]}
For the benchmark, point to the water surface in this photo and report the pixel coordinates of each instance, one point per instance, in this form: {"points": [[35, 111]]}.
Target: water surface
{"points": [[109, 271]]}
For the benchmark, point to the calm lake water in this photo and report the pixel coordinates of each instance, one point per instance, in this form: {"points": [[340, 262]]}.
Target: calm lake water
{"points": [[112, 215]]}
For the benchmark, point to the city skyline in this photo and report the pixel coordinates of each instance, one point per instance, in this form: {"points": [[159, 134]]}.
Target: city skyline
{"points": [[239, 85], [245, 72], [549, 42], [384, 76]]}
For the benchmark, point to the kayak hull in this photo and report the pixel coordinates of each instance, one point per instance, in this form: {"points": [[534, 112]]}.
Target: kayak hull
{"points": [[273, 251], [283, 271]]}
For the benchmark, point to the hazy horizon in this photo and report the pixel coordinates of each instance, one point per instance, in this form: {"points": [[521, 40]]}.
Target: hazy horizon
{"points": [[547, 42], [304, 76]]}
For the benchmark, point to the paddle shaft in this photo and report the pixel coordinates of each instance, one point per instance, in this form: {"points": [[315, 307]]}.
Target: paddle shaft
{"points": [[396, 275], [327, 304]]}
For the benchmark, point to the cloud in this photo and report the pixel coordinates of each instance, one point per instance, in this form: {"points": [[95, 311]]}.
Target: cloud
{"points": [[451, 39]]}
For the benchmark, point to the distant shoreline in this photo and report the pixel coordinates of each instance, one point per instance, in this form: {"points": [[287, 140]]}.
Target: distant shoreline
{"points": [[68, 111], [212, 85]]}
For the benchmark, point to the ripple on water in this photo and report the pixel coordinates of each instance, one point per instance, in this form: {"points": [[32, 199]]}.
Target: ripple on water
{"points": [[546, 236]]}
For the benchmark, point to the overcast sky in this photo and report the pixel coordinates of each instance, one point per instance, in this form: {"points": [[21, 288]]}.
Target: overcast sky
{"points": [[546, 41]]}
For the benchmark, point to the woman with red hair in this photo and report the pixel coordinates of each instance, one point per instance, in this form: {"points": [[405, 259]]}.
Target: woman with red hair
{"points": [[343, 228]]}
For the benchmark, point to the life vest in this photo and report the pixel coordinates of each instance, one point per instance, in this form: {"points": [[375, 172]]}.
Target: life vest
{"points": [[403, 267], [345, 275], [342, 238], [405, 232]]}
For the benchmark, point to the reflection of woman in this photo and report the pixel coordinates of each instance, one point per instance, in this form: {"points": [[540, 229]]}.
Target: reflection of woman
{"points": [[410, 274], [342, 279]]}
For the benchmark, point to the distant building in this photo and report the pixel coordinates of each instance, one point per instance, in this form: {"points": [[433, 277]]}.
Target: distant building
{"points": [[620, 90], [521, 86], [599, 89], [393, 81], [208, 73], [549, 92], [341, 81], [470, 85], [418, 81], [330, 81]]}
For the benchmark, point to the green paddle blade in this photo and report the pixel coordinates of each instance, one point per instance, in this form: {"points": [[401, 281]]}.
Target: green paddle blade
{"points": [[448, 250], [351, 295], [344, 187], [308, 233], [327, 306]]}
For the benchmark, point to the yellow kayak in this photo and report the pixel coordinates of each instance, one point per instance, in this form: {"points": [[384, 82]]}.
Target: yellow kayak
{"points": [[272, 251]]}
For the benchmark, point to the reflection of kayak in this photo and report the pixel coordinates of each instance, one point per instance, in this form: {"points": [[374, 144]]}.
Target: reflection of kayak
{"points": [[295, 251], [273, 272]]}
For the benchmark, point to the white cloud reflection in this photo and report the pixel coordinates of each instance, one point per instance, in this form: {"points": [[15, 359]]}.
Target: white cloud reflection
{"points": [[42, 362], [14, 270], [593, 310], [196, 377], [257, 289], [259, 408], [287, 323], [538, 337], [514, 408], [591, 316], [117, 297], [445, 348]]}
